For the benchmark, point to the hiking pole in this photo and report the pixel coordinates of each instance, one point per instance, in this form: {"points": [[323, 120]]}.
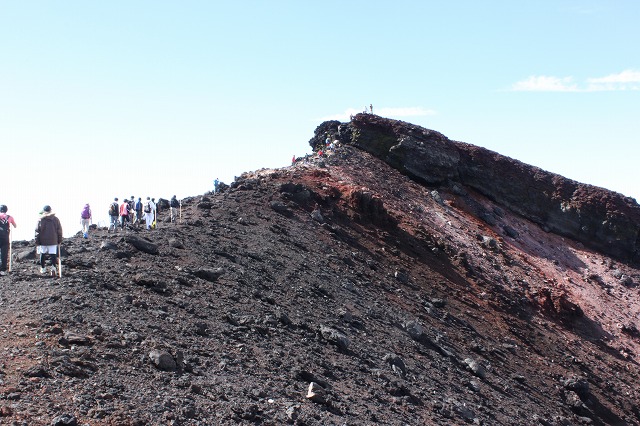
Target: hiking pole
{"points": [[10, 244], [180, 211], [59, 262]]}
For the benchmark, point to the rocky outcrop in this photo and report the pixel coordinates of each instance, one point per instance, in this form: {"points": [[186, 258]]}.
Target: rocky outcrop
{"points": [[601, 219]]}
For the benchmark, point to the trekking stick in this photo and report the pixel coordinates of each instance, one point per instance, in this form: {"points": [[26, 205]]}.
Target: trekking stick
{"points": [[180, 211], [59, 262], [10, 244]]}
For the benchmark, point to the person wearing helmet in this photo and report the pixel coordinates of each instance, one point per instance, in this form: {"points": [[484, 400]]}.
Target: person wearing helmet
{"points": [[5, 240], [48, 238]]}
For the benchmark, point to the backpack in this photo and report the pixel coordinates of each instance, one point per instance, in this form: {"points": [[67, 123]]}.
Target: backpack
{"points": [[4, 225], [147, 208], [174, 203], [113, 209], [85, 213]]}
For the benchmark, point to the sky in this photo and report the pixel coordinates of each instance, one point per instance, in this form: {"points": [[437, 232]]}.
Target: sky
{"points": [[158, 98]]}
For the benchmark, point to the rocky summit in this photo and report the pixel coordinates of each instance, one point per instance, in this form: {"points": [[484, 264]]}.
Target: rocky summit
{"points": [[398, 278]]}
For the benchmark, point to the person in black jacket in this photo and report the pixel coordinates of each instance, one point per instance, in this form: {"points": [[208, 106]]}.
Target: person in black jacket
{"points": [[48, 238]]}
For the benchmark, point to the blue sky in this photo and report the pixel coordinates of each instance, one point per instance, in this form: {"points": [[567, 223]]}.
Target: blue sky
{"points": [[106, 99]]}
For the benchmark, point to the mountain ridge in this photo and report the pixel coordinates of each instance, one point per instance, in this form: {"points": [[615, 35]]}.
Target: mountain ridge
{"points": [[335, 291]]}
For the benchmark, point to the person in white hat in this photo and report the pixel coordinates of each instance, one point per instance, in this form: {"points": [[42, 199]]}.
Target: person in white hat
{"points": [[48, 238]]}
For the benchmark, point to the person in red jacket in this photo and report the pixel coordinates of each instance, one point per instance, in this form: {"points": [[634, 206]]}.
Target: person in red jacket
{"points": [[48, 238]]}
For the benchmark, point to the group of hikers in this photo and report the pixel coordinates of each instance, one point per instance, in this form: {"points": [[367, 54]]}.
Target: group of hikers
{"points": [[48, 233], [131, 213], [48, 236], [329, 146]]}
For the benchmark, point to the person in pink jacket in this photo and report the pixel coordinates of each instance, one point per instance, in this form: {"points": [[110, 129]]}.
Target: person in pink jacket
{"points": [[124, 213]]}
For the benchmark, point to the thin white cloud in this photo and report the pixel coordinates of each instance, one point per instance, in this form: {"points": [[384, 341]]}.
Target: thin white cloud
{"points": [[543, 83], [625, 80], [384, 112]]}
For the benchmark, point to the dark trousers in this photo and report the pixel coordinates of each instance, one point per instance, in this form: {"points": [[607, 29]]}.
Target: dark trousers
{"points": [[53, 257], [4, 252]]}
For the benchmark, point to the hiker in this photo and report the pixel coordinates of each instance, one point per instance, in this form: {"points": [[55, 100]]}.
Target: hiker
{"points": [[174, 205], [113, 215], [371, 108], [48, 238], [85, 220], [132, 211], [148, 209], [216, 184], [124, 213], [156, 208], [138, 209], [5, 237]]}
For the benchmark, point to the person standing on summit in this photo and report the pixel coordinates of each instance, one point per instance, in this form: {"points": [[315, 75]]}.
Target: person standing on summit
{"points": [[5, 237], [48, 238]]}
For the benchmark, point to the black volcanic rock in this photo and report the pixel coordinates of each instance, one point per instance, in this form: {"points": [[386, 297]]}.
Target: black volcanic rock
{"points": [[142, 244]]}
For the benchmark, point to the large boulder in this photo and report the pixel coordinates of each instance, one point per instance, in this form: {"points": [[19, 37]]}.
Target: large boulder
{"points": [[142, 244]]}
